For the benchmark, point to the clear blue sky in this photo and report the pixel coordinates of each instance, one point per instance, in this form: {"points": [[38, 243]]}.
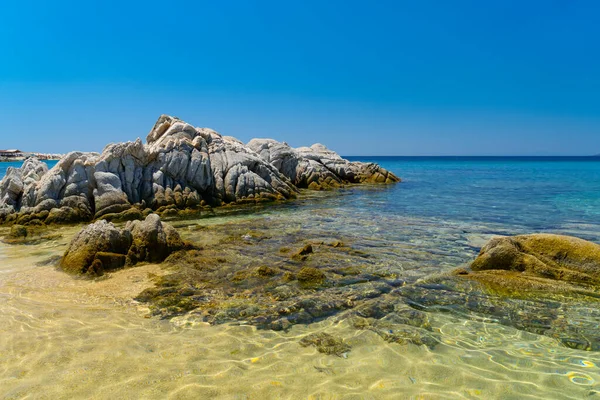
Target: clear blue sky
{"points": [[363, 77]]}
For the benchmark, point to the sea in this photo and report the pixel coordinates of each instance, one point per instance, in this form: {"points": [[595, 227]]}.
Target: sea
{"points": [[65, 338]]}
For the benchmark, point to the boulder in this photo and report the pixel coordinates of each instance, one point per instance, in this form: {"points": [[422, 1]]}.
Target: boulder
{"points": [[101, 246], [545, 256], [101, 236], [153, 241]]}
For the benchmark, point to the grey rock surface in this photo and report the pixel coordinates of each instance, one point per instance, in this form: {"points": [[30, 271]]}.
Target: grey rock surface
{"points": [[318, 167], [180, 166]]}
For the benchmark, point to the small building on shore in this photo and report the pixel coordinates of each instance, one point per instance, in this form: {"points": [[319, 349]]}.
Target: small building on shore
{"points": [[12, 153]]}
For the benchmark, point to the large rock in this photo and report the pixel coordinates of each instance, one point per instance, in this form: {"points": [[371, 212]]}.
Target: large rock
{"points": [[180, 167], [317, 166], [101, 246], [153, 241], [555, 257], [17, 185]]}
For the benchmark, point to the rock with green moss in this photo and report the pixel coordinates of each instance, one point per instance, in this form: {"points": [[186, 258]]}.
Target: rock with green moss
{"points": [[17, 231], [29, 235], [101, 236], [131, 214], [102, 246], [310, 275], [152, 240], [326, 344], [538, 259], [303, 253]]}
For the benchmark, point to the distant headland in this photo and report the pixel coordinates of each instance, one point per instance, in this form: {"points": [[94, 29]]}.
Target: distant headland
{"points": [[19, 155]]}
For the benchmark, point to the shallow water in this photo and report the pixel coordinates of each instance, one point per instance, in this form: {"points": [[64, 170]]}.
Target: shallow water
{"points": [[4, 165], [68, 338]]}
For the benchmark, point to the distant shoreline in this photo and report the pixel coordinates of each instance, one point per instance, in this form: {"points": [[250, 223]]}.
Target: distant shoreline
{"points": [[482, 158], [21, 159]]}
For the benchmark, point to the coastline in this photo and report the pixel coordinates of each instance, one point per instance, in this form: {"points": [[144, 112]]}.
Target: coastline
{"points": [[39, 156]]}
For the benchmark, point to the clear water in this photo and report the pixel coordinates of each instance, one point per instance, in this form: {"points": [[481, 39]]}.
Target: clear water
{"points": [[531, 194], [67, 338], [4, 165]]}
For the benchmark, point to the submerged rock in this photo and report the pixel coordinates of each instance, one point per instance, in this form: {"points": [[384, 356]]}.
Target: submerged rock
{"points": [[101, 246], [544, 284], [233, 280], [326, 344], [180, 167], [302, 254], [29, 235], [537, 260], [310, 275]]}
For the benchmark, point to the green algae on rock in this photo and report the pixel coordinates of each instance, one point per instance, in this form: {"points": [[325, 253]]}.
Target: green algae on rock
{"points": [[29, 235], [240, 275], [547, 256], [101, 246], [535, 283], [326, 344], [538, 312]]}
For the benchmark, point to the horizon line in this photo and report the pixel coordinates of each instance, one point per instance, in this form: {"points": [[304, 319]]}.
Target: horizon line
{"points": [[489, 156]]}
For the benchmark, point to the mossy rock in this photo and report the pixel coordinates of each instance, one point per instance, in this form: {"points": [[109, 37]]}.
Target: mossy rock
{"points": [[110, 261], [29, 235], [17, 231], [303, 253], [537, 258], [266, 271], [100, 236], [310, 275], [326, 344], [131, 214]]}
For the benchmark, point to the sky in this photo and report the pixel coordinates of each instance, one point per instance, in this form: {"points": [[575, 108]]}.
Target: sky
{"points": [[362, 77]]}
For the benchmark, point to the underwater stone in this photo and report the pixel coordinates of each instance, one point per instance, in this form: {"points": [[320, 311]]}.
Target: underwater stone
{"points": [[326, 344], [310, 275], [546, 256]]}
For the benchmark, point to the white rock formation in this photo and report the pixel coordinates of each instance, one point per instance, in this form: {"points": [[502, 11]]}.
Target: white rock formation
{"points": [[317, 166], [179, 165]]}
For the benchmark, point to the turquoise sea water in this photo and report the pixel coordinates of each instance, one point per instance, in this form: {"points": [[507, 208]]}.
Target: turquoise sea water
{"points": [[522, 193], [518, 193], [16, 164]]}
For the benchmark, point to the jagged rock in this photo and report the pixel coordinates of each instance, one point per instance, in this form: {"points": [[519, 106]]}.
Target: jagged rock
{"points": [[17, 184], [101, 246], [318, 167], [180, 166]]}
